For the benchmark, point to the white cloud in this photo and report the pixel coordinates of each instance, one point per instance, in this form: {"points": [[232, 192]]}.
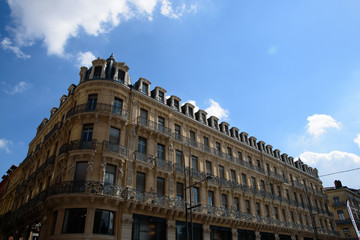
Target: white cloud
{"points": [[334, 162], [7, 44], [55, 22], [357, 140], [216, 110], [319, 123], [4, 144], [85, 58], [193, 103], [18, 88]]}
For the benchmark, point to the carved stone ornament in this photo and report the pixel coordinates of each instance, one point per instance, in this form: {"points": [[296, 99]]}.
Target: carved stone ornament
{"points": [[122, 66], [98, 62]]}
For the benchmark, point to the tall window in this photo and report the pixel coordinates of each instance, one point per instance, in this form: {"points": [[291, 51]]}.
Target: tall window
{"points": [[253, 182], [257, 205], [206, 144], [161, 124], [263, 185], [279, 191], [179, 190], [177, 132], [221, 172], [267, 211], [276, 213], [145, 88], [143, 117], [336, 200], [236, 204], [283, 214], [160, 186], [272, 188], [247, 205], [233, 176], [192, 138], [203, 118], [194, 163], [103, 222], [161, 151], [92, 100], [243, 176], [218, 148], [117, 107], [240, 156], [208, 168], [250, 160], [341, 215], [196, 195], [87, 133], [74, 220], [110, 172], [140, 181], [229, 152], [80, 171], [142, 145], [176, 104], [211, 198], [114, 135], [179, 160], [121, 76], [161, 96], [191, 112], [97, 72], [258, 163], [224, 201]]}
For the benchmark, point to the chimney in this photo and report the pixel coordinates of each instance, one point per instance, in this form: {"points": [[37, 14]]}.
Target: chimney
{"points": [[338, 184]]}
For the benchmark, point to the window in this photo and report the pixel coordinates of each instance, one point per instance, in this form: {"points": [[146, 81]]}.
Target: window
{"points": [[263, 185], [272, 188], [240, 155], [97, 72], [87, 133], [178, 155], [288, 196], [74, 220], [145, 88], [179, 191], [276, 213], [176, 104], [211, 198], [253, 182], [161, 124], [267, 211], [161, 96], [161, 151], [250, 160], [117, 107], [224, 201], [295, 196], [243, 176], [233, 176], [215, 124], [300, 219], [177, 132], [284, 214], [218, 149], [80, 171], [121, 76], [268, 169], [221, 172], [258, 163], [341, 215], [208, 168], [258, 209], [110, 171], [160, 186], [206, 144], [279, 191], [196, 195], [191, 112], [229, 152], [114, 135], [92, 100], [236, 204], [140, 181], [143, 117], [103, 222], [192, 138], [247, 205], [292, 216], [142, 145], [194, 163], [336, 200], [203, 118]]}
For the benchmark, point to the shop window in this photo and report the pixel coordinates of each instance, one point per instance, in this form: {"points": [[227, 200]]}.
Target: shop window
{"points": [[181, 230], [148, 228], [103, 222], [74, 220]]}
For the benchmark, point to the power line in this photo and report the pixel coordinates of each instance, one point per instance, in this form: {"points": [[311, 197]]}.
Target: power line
{"points": [[353, 169]]}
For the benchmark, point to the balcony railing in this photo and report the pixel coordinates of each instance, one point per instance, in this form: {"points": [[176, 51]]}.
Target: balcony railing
{"points": [[144, 157], [78, 145], [98, 108], [114, 148], [299, 185], [162, 163], [155, 126]]}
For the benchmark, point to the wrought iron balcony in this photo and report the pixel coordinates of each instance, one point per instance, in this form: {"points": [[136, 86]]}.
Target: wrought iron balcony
{"points": [[78, 145], [277, 176], [98, 108], [299, 185], [144, 157], [162, 163], [154, 126], [114, 148]]}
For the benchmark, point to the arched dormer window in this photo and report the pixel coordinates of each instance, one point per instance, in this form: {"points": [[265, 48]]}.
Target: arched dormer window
{"points": [[121, 73], [98, 69]]}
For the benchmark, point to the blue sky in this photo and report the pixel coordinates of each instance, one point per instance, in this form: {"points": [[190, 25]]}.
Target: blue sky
{"points": [[286, 72]]}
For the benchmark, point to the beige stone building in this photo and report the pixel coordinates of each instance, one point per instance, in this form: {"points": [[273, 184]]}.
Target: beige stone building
{"points": [[117, 160], [338, 196]]}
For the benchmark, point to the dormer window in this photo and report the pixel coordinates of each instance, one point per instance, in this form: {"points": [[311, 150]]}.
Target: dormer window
{"points": [[191, 112], [216, 124], [161, 96], [121, 76], [145, 88], [97, 72], [176, 104], [226, 130], [203, 118]]}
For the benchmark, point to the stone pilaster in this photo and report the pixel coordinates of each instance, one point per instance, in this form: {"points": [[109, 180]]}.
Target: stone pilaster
{"points": [[257, 235], [171, 229], [206, 231], [126, 226]]}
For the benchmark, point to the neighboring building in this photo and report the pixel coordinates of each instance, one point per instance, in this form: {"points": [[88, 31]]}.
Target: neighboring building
{"points": [[112, 160], [338, 196]]}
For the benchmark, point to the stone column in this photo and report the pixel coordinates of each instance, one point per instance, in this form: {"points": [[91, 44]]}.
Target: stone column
{"points": [[59, 221], [126, 226], [293, 237], [277, 236], [206, 232], [234, 233], [89, 221], [257, 235], [171, 229]]}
